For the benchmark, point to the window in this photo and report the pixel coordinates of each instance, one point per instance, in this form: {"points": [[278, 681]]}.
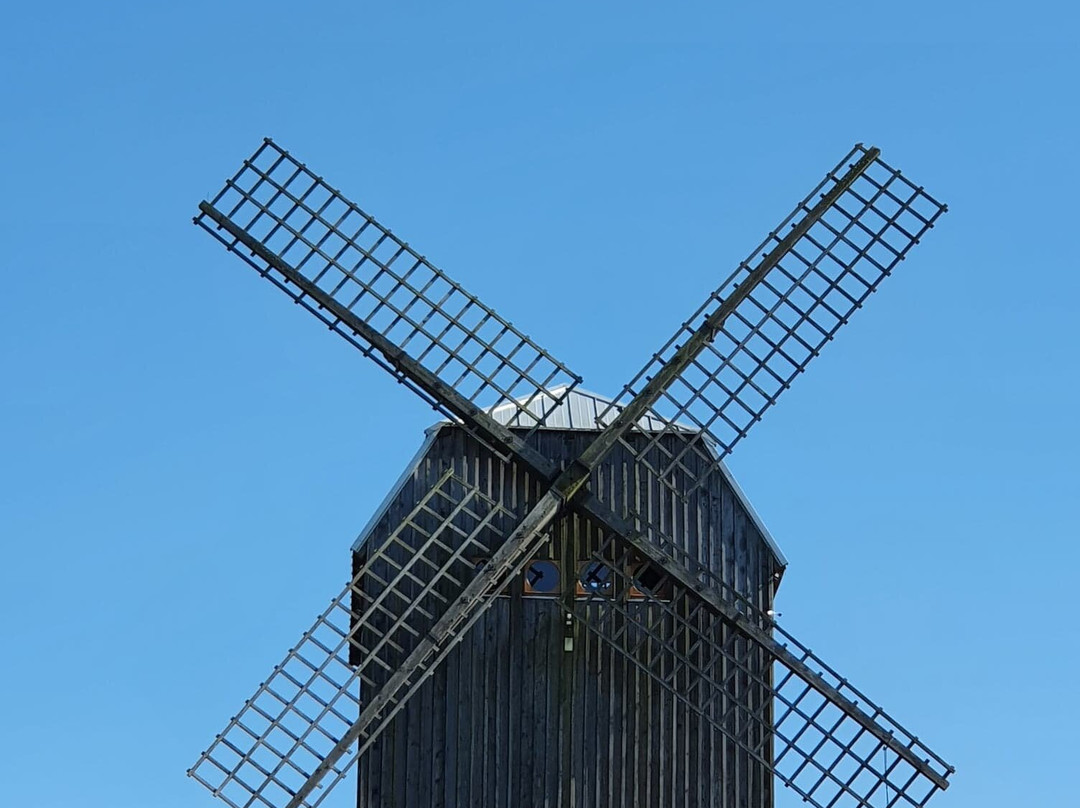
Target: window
{"points": [[595, 579], [649, 582], [542, 578]]}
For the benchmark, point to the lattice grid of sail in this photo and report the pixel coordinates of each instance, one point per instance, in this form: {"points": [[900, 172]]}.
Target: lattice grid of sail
{"points": [[772, 334], [771, 709], [331, 243], [312, 699]]}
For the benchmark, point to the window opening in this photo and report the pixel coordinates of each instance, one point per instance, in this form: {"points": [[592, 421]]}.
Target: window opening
{"points": [[595, 578], [542, 578]]}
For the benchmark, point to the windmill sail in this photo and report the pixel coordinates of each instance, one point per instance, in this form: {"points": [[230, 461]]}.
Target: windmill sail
{"points": [[756, 685], [311, 701], [375, 290], [806, 278]]}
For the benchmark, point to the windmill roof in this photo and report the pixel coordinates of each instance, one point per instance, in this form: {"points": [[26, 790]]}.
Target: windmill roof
{"points": [[579, 409]]}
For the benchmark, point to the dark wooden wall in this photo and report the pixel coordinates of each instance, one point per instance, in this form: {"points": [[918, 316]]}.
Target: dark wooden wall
{"points": [[512, 719]]}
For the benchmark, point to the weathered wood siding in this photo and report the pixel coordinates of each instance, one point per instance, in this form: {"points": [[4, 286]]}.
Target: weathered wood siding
{"points": [[512, 719]]}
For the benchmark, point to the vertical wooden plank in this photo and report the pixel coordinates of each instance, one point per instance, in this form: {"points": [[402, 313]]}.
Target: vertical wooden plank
{"points": [[446, 791], [517, 731], [459, 797], [629, 735], [633, 734], [411, 731], [388, 784], [756, 696], [603, 724], [627, 488], [616, 743], [578, 725], [494, 694], [363, 767], [674, 769], [395, 789], [477, 752], [521, 728], [698, 750], [567, 725], [727, 768], [431, 750], [504, 743], [690, 752], [545, 763], [589, 718], [656, 739]]}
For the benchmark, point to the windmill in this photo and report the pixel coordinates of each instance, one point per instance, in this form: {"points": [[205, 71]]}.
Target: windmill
{"points": [[592, 514]]}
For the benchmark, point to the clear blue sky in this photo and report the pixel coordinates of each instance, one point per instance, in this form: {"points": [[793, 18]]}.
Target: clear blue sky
{"points": [[185, 458]]}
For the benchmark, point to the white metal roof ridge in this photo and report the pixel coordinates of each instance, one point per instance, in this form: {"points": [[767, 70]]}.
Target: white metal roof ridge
{"points": [[579, 409]]}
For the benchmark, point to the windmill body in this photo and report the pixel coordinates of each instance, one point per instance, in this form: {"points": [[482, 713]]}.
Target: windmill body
{"points": [[566, 601], [530, 708]]}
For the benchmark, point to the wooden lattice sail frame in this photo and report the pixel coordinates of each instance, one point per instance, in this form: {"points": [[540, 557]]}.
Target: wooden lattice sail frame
{"points": [[420, 590]]}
